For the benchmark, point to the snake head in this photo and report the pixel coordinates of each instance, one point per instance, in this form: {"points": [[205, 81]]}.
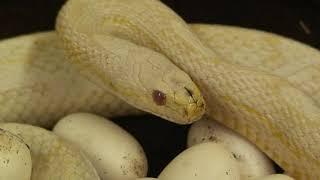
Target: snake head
{"points": [[187, 103], [161, 88]]}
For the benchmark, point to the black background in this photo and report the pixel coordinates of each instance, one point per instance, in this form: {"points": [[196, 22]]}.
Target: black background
{"points": [[163, 140]]}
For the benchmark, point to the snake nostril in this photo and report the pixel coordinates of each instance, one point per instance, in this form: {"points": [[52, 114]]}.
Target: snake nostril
{"points": [[159, 97]]}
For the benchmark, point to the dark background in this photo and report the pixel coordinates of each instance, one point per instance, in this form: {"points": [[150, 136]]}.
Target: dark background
{"points": [[163, 140], [279, 16]]}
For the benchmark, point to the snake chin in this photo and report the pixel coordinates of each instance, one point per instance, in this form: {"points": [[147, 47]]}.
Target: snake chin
{"points": [[193, 104], [194, 111]]}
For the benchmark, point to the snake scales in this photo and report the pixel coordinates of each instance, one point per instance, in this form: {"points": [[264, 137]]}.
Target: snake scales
{"points": [[263, 86]]}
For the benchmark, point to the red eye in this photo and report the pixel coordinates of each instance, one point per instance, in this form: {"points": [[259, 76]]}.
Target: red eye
{"points": [[159, 97]]}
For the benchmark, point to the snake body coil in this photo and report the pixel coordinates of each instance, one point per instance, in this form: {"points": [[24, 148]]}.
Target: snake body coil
{"points": [[279, 118], [263, 86]]}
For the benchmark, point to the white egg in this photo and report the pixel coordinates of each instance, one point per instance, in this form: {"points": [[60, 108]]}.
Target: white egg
{"points": [[205, 161], [114, 152], [253, 162], [15, 157]]}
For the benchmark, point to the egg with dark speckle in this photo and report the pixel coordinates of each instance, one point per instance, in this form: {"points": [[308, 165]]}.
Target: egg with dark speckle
{"points": [[15, 157]]}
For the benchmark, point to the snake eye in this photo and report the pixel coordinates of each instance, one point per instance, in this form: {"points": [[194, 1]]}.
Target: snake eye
{"points": [[159, 97]]}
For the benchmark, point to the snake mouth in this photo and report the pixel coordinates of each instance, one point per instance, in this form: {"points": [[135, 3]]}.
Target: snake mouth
{"points": [[195, 109]]}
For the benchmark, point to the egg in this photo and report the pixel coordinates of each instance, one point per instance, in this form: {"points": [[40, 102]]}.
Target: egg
{"points": [[252, 162], [15, 157], [204, 161], [114, 152]]}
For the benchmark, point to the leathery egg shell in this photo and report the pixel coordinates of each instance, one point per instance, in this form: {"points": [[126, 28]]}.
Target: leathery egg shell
{"points": [[114, 152], [205, 161], [15, 157], [253, 163]]}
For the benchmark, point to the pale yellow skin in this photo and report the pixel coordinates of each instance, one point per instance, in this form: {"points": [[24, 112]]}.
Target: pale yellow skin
{"points": [[114, 152], [39, 71], [252, 162], [52, 157], [204, 161], [15, 157], [45, 49], [39, 86], [282, 120], [125, 69], [288, 59]]}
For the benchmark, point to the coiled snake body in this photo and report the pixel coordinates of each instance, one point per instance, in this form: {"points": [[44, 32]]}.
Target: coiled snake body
{"points": [[258, 89]]}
